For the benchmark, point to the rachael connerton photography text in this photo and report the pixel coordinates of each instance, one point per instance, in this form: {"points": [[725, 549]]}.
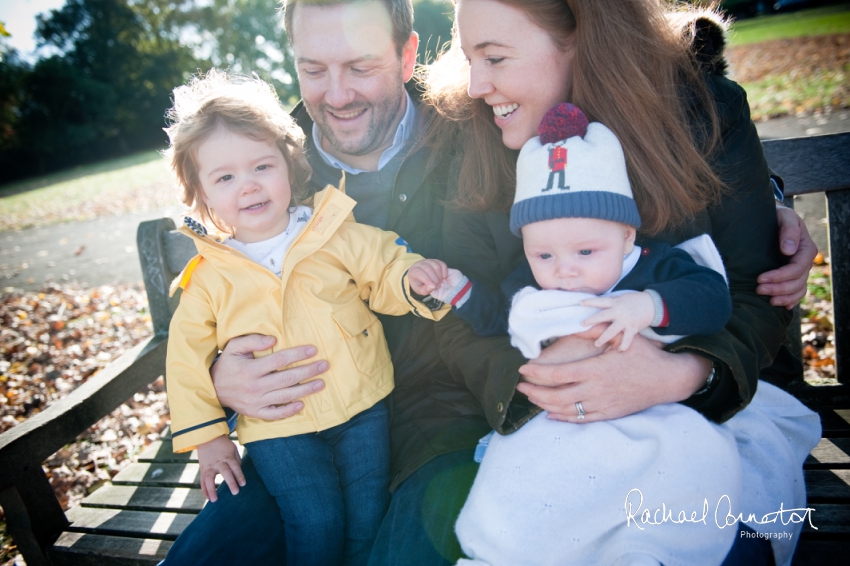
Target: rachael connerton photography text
{"points": [[723, 515]]}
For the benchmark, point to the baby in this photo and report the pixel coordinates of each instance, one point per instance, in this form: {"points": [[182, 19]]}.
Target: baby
{"points": [[562, 493], [580, 238], [288, 263]]}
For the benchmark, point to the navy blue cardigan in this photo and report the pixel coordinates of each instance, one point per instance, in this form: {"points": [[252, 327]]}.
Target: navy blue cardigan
{"points": [[696, 298]]}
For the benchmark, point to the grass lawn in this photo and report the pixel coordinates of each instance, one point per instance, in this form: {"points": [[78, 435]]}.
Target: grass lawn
{"points": [[137, 182], [816, 21], [781, 95], [793, 63]]}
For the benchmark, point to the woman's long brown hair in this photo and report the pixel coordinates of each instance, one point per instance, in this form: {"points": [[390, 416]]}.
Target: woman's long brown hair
{"points": [[634, 71]]}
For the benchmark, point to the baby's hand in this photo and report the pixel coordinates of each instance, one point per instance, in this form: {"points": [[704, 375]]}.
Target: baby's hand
{"points": [[426, 275], [629, 314], [449, 287], [220, 456]]}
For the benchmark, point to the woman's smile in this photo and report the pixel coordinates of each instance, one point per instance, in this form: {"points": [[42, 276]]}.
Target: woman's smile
{"points": [[517, 69]]}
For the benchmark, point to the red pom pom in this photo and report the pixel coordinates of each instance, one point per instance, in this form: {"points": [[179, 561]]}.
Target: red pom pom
{"points": [[562, 122]]}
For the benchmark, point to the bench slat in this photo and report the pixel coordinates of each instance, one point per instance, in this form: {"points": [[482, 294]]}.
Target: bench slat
{"points": [[838, 212], [161, 451], [830, 452], [828, 486], [79, 549], [821, 553], [830, 519], [811, 164], [118, 522], [835, 422], [157, 474], [147, 498]]}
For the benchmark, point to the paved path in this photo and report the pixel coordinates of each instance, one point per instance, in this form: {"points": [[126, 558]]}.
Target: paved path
{"points": [[103, 251], [95, 252]]}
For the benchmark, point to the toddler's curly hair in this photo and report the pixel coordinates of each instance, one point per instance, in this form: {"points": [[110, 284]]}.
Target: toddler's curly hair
{"points": [[246, 106]]}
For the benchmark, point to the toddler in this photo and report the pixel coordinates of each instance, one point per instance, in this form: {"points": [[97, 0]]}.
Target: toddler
{"points": [[284, 262], [575, 212]]}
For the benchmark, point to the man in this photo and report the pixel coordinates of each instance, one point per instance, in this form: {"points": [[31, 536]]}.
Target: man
{"points": [[353, 59]]}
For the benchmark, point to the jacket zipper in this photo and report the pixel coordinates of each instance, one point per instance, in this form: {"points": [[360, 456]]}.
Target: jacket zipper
{"points": [[301, 234], [409, 153]]}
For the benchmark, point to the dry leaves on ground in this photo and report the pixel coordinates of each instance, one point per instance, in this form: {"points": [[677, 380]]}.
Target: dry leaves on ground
{"points": [[799, 56], [53, 341]]}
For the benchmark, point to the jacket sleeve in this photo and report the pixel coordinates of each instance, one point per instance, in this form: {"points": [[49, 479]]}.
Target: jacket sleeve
{"points": [[696, 298], [488, 366], [744, 228], [378, 262], [196, 415], [485, 310]]}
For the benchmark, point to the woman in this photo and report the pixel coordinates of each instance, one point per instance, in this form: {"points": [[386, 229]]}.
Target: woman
{"points": [[419, 528], [696, 166]]}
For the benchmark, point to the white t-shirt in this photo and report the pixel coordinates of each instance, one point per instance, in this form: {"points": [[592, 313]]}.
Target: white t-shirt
{"points": [[269, 253]]}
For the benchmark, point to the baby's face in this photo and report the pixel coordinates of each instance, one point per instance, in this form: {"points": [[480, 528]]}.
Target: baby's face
{"points": [[577, 254]]}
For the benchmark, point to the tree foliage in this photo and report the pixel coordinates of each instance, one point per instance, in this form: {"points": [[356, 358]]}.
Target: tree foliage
{"points": [[432, 20], [103, 82]]}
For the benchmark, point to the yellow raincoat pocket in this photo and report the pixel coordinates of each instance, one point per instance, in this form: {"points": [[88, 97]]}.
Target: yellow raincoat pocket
{"points": [[364, 337]]}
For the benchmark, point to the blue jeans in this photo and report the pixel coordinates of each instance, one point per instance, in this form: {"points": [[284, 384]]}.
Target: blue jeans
{"points": [[418, 528], [332, 488]]}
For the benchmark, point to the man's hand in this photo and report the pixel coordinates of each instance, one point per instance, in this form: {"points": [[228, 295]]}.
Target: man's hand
{"points": [[220, 456], [254, 388], [628, 314], [787, 285], [426, 275]]}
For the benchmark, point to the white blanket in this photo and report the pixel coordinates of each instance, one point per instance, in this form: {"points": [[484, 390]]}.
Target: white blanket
{"points": [[561, 493]]}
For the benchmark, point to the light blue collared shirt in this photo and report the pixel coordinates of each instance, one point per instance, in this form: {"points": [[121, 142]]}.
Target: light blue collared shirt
{"points": [[405, 127]]}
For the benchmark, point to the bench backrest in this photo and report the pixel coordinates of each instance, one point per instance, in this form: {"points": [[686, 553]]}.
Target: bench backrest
{"points": [[822, 164]]}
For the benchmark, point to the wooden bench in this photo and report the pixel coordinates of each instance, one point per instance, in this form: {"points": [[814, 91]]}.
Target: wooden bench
{"points": [[135, 518]]}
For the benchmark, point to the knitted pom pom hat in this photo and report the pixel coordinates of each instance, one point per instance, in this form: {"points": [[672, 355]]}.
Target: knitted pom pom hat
{"points": [[572, 170]]}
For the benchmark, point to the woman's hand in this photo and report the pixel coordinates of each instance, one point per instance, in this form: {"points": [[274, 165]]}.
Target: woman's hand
{"points": [[787, 285], [254, 388], [612, 384]]}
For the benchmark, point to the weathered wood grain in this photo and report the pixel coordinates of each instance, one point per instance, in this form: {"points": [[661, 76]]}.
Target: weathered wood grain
{"points": [[828, 486], [119, 522], [133, 498], [79, 549], [157, 474], [829, 453], [812, 164]]}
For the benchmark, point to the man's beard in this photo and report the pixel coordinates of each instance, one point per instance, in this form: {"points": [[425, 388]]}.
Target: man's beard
{"points": [[377, 134]]}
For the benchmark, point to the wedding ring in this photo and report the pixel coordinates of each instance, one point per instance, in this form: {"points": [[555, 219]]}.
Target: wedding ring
{"points": [[580, 410]]}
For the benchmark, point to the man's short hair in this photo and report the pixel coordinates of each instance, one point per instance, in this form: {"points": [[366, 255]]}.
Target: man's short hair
{"points": [[401, 15]]}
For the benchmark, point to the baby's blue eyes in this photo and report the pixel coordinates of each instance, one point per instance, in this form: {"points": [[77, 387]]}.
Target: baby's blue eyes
{"points": [[585, 252], [545, 256], [226, 178]]}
